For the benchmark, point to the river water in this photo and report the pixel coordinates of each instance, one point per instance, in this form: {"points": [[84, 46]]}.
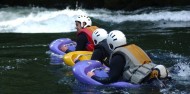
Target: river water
{"points": [[26, 32]]}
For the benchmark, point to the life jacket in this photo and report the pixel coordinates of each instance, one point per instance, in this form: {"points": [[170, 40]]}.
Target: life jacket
{"points": [[107, 51], [138, 64], [88, 31]]}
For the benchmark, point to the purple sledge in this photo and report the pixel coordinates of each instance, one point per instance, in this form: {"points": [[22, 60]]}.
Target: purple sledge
{"points": [[81, 68], [56, 53]]}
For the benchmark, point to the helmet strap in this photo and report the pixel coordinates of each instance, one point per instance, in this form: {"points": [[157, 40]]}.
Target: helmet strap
{"points": [[121, 46], [83, 24]]}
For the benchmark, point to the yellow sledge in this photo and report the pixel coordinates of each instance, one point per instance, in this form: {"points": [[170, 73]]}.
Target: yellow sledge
{"points": [[71, 57]]}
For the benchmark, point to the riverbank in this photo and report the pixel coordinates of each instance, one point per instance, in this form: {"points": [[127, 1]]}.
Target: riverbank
{"points": [[91, 4]]}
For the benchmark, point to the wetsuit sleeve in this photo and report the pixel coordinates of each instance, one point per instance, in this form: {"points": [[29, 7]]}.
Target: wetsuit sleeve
{"points": [[81, 42], [97, 54], [116, 70], [67, 51]]}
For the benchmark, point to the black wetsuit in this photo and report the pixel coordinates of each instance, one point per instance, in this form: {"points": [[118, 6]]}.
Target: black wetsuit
{"points": [[102, 53], [117, 64], [81, 43]]}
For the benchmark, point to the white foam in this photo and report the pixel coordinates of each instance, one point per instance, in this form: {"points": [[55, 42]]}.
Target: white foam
{"points": [[36, 20], [42, 22], [184, 69], [152, 16]]}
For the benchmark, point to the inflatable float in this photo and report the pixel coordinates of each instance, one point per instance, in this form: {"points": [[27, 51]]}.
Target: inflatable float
{"points": [[71, 57], [56, 54], [81, 68]]}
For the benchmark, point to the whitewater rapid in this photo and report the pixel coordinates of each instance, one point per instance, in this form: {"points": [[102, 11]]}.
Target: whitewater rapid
{"points": [[41, 20]]}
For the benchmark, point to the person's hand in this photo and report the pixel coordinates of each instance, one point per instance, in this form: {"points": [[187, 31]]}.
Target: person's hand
{"points": [[154, 74], [90, 74], [64, 48], [106, 69]]}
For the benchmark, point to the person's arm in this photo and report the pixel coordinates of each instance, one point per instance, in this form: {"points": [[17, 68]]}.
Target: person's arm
{"points": [[81, 42], [116, 70], [97, 54], [67, 51]]}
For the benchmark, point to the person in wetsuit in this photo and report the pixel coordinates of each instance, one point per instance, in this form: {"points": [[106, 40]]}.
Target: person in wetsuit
{"points": [[101, 51], [129, 63], [84, 35]]}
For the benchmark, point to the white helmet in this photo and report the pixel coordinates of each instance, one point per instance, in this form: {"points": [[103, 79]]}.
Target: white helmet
{"points": [[83, 18], [163, 72], [116, 38], [99, 35]]}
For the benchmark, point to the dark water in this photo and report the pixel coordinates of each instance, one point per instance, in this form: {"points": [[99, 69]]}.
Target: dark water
{"points": [[25, 68]]}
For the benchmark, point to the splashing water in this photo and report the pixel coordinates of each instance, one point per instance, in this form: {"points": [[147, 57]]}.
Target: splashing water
{"points": [[40, 20], [46, 21], [183, 69]]}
